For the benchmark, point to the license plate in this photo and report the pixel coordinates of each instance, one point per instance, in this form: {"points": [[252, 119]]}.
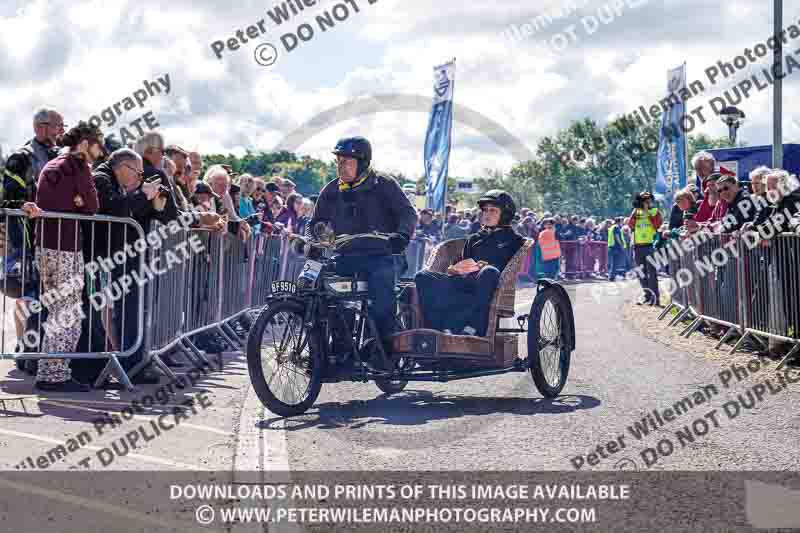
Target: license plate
{"points": [[284, 287], [311, 270]]}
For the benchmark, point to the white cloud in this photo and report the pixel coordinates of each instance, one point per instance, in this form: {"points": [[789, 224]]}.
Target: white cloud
{"points": [[83, 56]]}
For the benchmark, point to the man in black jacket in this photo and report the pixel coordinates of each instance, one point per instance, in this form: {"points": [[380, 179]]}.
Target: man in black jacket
{"points": [[741, 208], [151, 149], [362, 200], [122, 193]]}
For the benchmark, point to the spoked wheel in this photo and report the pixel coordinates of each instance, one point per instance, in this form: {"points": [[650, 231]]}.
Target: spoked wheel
{"points": [[285, 372], [549, 328]]}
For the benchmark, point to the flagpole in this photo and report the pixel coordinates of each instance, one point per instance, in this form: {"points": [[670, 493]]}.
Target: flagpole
{"points": [[687, 161], [777, 98], [449, 146]]}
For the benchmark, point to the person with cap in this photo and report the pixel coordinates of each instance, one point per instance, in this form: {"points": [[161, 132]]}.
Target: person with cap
{"points": [[458, 302], [548, 250], [203, 196], [644, 222], [362, 200], [740, 206], [264, 208], [235, 191], [287, 187]]}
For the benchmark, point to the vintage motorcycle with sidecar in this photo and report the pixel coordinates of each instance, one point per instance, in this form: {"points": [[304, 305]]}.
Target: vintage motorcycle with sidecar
{"points": [[292, 348]]}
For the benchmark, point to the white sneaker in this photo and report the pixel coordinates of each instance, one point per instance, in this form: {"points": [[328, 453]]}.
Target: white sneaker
{"points": [[469, 330], [447, 331]]}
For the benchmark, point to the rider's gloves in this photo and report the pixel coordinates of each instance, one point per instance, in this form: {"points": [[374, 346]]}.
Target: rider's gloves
{"points": [[399, 242]]}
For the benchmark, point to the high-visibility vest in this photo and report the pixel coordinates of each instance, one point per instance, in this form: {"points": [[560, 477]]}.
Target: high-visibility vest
{"points": [[549, 245], [612, 237], [643, 230]]}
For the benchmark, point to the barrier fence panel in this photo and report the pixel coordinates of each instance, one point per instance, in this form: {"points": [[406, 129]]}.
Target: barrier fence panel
{"points": [[573, 259], [584, 258], [166, 317], [71, 285], [203, 295], [416, 255], [598, 251], [770, 275], [748, 285], [265, 262], [233, 283]]}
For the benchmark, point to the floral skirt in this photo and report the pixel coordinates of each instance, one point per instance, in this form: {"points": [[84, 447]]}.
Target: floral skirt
{"points": [[61, 273]]}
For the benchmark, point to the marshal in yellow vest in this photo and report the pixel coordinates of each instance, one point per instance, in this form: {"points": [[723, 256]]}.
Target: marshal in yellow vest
{"points": [[644, 232]]}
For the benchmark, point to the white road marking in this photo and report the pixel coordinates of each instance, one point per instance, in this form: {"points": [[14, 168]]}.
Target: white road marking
{"points": [[264, 451], [145, 458], [121, 403], [144, 417]]}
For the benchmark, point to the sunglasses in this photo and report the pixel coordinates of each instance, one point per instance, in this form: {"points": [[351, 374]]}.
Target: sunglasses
{"points": [[725, 188], [140, 173]]}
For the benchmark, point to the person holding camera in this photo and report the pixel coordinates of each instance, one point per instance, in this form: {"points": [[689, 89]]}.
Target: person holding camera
{"points": [[122, 193], [151, 149], [644, 222]]}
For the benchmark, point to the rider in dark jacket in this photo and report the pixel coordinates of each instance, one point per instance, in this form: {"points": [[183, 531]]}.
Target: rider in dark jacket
{"points": [[459, 301], [359, 201]]}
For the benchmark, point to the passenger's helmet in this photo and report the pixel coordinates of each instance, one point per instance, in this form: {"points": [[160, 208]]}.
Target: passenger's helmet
{"points": [[355, 147], [502, 200]]}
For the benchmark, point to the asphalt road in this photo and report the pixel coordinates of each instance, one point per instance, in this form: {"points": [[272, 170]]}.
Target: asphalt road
{"points": [[617, 376]]}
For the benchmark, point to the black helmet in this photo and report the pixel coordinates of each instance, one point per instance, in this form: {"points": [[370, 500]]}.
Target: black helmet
{"points": [[502, 200], [356, 147]]}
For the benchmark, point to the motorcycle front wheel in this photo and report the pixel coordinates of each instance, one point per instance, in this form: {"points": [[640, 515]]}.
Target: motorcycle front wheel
{"points": [[285, 371]]}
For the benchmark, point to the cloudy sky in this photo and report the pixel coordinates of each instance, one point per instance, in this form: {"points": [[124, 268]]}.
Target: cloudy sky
{"points": [[83, 56]]}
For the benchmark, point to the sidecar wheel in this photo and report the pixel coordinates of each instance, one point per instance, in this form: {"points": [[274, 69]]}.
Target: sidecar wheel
{"points": [[549, 329]]}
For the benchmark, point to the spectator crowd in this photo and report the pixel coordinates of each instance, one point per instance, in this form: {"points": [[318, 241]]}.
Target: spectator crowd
{"points": [[74, 170]]}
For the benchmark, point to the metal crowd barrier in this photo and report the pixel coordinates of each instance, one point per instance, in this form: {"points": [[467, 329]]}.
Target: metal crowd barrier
{"points": [[416, 255], [77, 298], [216, 286], [752, 291], [582, 258], [161, 295]]}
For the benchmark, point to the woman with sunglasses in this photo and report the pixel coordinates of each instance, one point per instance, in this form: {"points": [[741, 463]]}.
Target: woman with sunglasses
{"points": [[65, 185]]}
